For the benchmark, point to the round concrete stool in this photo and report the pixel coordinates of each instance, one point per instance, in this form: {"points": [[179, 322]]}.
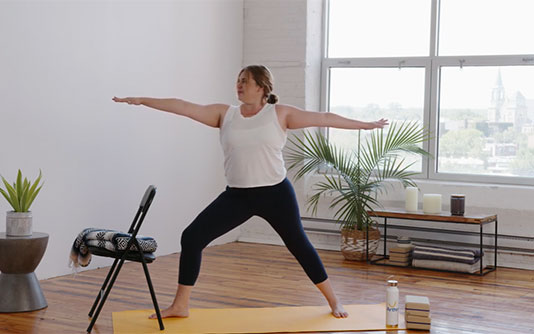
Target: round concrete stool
{"points": [[19, 288]]}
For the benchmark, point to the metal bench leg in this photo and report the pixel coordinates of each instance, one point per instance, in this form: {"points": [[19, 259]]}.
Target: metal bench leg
{"points": [[495, 249], [481, 250], [385, 236], [367, 245]]}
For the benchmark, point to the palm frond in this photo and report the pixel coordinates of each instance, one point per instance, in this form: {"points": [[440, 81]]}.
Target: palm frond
{"points": [[360, 173]]}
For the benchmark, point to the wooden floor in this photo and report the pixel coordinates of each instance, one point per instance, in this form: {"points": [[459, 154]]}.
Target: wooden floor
{"points": [[255, 275]]}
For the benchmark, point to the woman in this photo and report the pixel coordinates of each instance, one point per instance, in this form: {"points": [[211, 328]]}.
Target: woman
{"points": [[252, 136]]}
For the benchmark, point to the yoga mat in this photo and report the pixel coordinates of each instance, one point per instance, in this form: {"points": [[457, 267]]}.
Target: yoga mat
{"points": [[257, 320]]}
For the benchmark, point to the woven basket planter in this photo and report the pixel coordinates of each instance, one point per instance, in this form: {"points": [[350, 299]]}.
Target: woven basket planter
{"points": [[353, 243]]}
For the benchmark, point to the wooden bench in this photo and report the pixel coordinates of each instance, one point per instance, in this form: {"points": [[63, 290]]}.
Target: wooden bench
{"points": [[443, 217]]}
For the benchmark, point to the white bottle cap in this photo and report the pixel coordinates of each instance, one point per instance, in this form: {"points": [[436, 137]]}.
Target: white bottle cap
{"points": [[392, 282]]}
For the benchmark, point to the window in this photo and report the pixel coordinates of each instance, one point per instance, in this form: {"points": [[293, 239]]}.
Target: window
{"points": [[485, 120], [371, 93], [378, 28], [485, 27], [464, 69]]}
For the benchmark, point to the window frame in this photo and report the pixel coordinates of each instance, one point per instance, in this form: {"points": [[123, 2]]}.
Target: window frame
{"points": [[432, 64]]}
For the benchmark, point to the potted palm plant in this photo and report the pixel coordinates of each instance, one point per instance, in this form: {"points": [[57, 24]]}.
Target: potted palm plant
{"points": [[358, 177], [20, 196]]}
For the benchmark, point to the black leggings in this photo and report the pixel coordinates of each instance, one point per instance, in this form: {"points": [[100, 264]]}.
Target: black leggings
{"points": [[276, 204]]}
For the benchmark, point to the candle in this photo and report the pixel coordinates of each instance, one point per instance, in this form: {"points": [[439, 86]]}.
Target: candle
{"points": [[457, 204], [432, 203], [411, 199]]}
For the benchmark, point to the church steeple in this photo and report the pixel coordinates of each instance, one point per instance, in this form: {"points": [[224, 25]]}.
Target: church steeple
{"points": [[497, 95], [497, 99]]}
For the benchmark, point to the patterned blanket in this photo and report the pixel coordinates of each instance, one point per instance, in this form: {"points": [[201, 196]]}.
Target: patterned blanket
{"points": [[106, 239]]}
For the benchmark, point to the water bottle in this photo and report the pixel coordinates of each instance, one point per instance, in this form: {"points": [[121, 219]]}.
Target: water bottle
{"points": [[392, 304]]}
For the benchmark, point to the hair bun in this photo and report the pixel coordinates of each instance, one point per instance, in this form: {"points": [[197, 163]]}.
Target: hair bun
{"points": [[272, 98]]}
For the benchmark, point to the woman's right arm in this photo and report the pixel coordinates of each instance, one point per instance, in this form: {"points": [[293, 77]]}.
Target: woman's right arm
{"points": [[211, 114]]}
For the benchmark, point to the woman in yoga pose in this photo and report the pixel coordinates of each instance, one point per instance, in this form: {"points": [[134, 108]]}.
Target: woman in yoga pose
{"points": [[252, 136]]}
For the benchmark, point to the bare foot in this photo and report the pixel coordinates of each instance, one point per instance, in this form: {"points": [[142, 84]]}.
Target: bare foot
{"points": [[338, 311], [172, 312]]}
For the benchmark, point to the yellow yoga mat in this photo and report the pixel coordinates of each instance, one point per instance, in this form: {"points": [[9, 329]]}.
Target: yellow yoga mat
{"points": [[257, 320]]}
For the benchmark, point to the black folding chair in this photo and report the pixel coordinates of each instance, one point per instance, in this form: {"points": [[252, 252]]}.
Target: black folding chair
{"points": [[131, 254]]}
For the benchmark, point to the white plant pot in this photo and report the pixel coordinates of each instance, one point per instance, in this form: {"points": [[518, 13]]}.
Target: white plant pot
{"points": [[18, 224]]}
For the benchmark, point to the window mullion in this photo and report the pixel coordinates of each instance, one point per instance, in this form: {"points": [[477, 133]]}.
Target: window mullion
{"points": [[433, 121], [434, 28]]}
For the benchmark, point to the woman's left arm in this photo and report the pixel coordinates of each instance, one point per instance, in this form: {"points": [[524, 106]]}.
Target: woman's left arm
{"points": [[296, 118]]}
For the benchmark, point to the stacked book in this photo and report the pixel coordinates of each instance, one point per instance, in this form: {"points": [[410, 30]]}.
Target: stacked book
{"points": [[400, 256], [417, 312]]}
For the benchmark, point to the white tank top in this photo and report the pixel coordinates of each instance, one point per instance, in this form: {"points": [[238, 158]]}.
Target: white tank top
{"points": [[253, 148]]}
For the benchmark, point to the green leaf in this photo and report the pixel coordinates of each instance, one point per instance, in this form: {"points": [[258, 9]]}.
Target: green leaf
{"points": [[32, 197], [18, 185], [359, 175], [8, 198], [32, 191], [13, 195], [24, 197]]}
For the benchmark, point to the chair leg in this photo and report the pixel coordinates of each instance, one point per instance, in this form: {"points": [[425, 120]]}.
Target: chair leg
{"points": [[108, 290], [103, 288], [153, 294]]}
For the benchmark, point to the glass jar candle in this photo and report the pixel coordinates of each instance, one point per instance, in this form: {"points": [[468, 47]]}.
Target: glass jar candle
{"points": [[457, 204]]}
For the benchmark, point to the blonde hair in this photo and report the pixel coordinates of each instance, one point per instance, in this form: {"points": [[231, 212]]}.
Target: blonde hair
{"points": [[264, 79]]}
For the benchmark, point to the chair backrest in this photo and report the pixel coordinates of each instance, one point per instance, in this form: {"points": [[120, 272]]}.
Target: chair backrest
{"points": [[146, 201], [148, 197]]}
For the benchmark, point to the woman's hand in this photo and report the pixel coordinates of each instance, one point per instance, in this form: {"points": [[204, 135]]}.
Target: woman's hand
{"points": [[130, 100], [378, 124]]}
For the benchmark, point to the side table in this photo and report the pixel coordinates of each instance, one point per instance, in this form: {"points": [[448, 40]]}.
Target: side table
{"points": [[19, 288]]}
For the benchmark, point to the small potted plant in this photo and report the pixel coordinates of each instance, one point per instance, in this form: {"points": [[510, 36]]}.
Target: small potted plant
{"points": [[357, 177], [20, 196]]}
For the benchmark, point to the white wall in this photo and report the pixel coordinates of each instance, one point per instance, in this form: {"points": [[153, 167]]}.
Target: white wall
{"points": [[61, 62], [296, 70]]}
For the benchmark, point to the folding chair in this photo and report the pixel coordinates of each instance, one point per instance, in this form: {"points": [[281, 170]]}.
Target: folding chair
{"points": [[131, 254]]}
